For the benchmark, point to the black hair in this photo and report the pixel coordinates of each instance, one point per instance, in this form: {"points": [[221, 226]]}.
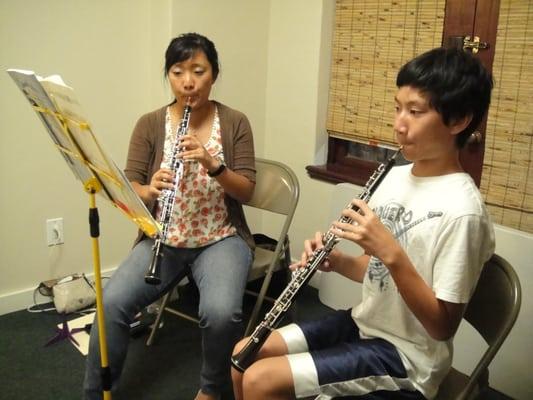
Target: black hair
{"points": [[183, 47], [456, 83]]}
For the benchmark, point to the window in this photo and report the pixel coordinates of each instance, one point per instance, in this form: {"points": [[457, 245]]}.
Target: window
{"points": [[373, 38]]}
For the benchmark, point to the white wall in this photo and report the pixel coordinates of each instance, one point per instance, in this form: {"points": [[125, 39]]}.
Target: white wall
{"points": [[239, 29], [112, 54], [95, 46], [275, 59], [297, 94]]}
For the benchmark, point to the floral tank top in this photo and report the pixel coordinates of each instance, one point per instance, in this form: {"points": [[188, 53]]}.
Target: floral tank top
{"points": [[199, 216]]}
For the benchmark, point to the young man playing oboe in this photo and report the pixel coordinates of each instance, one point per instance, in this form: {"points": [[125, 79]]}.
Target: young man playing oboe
{"points": [[426, 235]]}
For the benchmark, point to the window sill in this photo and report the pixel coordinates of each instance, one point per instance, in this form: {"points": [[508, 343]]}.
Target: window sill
{"points": [[338, 173]]}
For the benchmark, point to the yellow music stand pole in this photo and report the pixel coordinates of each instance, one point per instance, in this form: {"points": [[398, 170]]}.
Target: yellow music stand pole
{"points": [[61, 114], [91, 187]]}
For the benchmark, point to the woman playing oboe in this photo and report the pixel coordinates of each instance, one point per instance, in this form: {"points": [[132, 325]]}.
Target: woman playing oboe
{"points": [[206, 231], [426, 235]]}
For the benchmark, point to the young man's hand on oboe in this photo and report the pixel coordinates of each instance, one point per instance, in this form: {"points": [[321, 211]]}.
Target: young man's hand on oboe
{"points": [[312, 245]]}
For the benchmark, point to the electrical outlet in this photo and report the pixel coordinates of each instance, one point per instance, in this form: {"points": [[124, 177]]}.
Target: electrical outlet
{"points": [[54, 231]]}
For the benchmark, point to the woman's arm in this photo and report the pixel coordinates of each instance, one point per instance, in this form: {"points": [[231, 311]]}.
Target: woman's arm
{"points": [[142, 147], [236, 186]]}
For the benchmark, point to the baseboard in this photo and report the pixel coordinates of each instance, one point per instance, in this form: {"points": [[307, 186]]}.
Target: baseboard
{"points": [[22, 299]]}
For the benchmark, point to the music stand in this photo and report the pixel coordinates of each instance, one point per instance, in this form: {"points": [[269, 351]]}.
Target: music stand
{"points": [[56, 105]]}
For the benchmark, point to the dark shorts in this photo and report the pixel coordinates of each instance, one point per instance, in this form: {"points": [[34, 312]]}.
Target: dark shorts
{"points": [[331, 360]]}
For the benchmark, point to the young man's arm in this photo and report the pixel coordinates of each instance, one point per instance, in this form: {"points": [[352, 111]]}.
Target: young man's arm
{"points": [[439, 318], [352, 267]]}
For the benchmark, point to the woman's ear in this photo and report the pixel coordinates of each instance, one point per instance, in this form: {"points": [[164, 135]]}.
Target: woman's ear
{"points": [[461, 124]]}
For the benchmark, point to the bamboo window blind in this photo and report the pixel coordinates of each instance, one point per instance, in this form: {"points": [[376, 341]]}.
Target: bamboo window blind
{"points": [[372, 40], [507, 177]]}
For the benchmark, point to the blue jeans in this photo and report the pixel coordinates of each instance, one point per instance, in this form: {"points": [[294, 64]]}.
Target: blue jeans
{"points": [[220, 271]]}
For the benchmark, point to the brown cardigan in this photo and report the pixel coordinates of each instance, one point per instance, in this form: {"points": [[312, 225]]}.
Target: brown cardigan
{"points": [[146, 153]]}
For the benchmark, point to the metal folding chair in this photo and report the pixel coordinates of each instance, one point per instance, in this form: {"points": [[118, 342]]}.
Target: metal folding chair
{"points": [[276, 190], [492, 311]]}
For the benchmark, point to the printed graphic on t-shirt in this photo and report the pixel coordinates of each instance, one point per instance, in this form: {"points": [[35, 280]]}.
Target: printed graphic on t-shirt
{"points": [[399, 221]]}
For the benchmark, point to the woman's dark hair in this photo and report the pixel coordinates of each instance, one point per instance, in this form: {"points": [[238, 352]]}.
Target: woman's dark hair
{"points": [[183, 47], [456, 83]]}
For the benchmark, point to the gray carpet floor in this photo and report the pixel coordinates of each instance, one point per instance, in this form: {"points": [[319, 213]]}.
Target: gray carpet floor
{"points": [[168, 370]]}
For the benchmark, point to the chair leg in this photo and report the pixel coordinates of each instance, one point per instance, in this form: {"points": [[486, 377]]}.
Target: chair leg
{"points": [[266, 282], [259, 302], [155, 326]]}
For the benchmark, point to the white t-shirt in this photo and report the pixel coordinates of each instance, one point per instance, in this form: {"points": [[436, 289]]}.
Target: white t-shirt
{"points": [[442, 224]]}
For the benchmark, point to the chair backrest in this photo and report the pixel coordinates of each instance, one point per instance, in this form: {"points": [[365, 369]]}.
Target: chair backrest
{"points": [[495, 304], [276, 188], [493, 310]]}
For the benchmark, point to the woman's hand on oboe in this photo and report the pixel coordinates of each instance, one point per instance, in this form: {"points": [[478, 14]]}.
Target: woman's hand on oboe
{"points": [[191, 149], [162, 179]]}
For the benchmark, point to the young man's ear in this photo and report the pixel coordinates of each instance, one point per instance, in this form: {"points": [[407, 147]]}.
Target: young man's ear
{"points": [[460, 125]]}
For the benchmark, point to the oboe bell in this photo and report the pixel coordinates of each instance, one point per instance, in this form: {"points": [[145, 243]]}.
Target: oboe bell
{"points": [[152, 275]]}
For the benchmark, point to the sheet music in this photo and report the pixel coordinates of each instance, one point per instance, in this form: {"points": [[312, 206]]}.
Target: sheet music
{"points": [[62, 115], [29, 84]]}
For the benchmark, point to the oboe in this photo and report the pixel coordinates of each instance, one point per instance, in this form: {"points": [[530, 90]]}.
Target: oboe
{"points": [[166, 201], [301, 277]]}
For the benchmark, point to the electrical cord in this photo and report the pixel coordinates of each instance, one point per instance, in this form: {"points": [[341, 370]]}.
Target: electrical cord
{"points": [[31, 308]]}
